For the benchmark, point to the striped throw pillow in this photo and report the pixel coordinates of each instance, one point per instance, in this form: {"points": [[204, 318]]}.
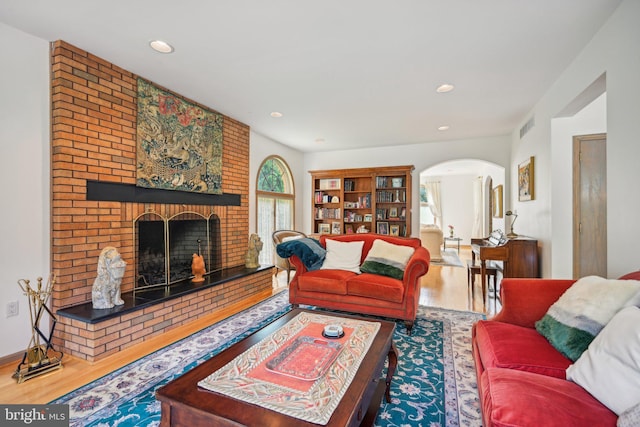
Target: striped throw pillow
{"points": [[573, 321], [387, 259]]}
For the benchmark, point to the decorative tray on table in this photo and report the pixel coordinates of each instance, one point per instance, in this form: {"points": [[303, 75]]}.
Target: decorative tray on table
{"points": [[305, 358]]}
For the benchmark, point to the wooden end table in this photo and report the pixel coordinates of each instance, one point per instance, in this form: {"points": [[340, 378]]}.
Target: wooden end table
{"points": [[186, 404], [452, 239]]}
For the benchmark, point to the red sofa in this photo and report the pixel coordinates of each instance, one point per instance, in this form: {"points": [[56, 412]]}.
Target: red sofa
{"points": [[364, 293], [521, 376]]}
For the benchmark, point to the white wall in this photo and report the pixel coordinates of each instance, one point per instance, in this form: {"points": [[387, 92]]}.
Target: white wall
{"points": [[24, 150], [614, 51], [262, 147], [457, 205], [422, 156]]}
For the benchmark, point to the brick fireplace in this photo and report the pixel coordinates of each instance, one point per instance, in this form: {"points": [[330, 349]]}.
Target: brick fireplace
{"points": [[94, 140]]}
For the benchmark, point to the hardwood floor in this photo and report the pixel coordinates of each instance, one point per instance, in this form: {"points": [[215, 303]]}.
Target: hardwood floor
{"points": [[443, 286], [446, 287]]}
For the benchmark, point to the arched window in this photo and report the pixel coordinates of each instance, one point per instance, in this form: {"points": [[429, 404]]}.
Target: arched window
{"points": [[275, 195]]}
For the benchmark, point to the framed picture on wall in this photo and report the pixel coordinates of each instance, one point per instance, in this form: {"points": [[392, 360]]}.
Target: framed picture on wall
{"points": [[526, 180], [497, 201], [382, 227], [335, 228]]}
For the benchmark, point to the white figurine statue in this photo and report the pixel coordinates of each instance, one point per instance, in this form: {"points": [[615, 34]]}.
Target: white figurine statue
{"points": [[255, 246], [106, 287]]}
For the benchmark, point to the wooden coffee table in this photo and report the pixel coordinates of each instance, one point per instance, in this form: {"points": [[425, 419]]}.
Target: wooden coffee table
{"points": [[186, 404]]}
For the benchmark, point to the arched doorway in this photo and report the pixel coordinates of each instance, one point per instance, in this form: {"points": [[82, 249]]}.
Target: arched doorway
{"points": [[466, 196]]}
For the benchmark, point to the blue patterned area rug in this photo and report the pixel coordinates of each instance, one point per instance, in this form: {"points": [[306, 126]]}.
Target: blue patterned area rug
{"points": [[434, 384]]}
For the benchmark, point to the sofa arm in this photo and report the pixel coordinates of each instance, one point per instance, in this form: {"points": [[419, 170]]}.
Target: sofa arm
{"points": [[298, 264], [417, 266], [525, 301]]}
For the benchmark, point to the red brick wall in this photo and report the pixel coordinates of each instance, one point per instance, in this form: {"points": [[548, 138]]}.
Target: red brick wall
{"points": [[93, 138], [96, 341]]}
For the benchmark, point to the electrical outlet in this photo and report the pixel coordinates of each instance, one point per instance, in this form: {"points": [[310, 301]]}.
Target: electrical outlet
{"points": [[12, 308]]}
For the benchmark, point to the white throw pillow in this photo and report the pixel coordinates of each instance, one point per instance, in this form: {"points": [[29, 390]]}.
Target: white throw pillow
{"points": [[343, 255], [630, 417], [610, 368]]}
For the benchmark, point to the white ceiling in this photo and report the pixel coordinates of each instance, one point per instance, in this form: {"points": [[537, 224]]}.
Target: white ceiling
{"points": [[355, 73]]}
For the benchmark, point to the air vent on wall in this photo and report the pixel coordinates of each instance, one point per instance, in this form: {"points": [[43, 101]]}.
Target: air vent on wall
{"points": [[527, 127]]}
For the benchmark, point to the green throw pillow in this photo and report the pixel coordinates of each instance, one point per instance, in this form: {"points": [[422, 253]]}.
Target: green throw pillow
{"points": [[387, 259], [573, 321]]}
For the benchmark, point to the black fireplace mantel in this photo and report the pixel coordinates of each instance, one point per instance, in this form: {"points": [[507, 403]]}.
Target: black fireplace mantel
{"points": [[117, 192]]}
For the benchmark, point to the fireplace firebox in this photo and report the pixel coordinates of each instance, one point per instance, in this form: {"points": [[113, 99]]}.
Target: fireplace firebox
{"points": [[165, 247]]}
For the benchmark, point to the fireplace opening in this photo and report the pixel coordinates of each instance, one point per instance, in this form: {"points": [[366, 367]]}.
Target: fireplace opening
{"points": [[151, 254], [165, 247]]}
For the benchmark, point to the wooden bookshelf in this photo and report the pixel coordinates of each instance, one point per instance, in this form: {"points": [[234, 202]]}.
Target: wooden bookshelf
{"points": [[373, 199]]}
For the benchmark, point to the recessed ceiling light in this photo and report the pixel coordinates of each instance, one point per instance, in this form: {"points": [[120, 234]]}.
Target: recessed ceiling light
{"points": [[444, 88], [276, 114], [160, 46], [443, 127]]}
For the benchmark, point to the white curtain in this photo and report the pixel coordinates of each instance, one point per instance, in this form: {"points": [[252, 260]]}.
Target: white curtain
{"points": [[266, 226], [478, 208], [273, 214], [435, 202]]}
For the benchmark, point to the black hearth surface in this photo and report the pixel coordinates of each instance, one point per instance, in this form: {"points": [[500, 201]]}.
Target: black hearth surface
{"points": [[149, 297]]}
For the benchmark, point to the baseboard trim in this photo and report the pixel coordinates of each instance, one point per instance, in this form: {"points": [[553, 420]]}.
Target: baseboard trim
{"points": [[11, 358]]}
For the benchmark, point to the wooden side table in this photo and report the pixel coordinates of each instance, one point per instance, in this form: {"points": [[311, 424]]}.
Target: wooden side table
{"points": [[452, 239]]}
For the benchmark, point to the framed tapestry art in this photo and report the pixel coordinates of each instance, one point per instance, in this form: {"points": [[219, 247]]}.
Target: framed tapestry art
{"points": [[179, 144], [525, 180]]}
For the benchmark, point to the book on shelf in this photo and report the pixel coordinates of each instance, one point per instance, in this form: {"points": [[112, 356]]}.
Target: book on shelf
{"points": [[350, 216], [389, 182], [395, 196], [327, 213], [322, 197], [364, 201]]}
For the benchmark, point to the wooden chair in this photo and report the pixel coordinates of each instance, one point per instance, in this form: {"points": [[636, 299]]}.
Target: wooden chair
{"points": [[278, 237], [492, 272]]}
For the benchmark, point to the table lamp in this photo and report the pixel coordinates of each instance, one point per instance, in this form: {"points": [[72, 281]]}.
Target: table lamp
{"points": [[515, 216]]}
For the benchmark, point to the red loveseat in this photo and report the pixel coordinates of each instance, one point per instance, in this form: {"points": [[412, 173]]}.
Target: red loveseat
{"points": [[364, 293], [521, 376]]}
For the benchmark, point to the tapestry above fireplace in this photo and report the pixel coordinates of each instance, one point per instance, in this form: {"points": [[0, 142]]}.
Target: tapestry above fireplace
{"points": [[179, 144]]}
